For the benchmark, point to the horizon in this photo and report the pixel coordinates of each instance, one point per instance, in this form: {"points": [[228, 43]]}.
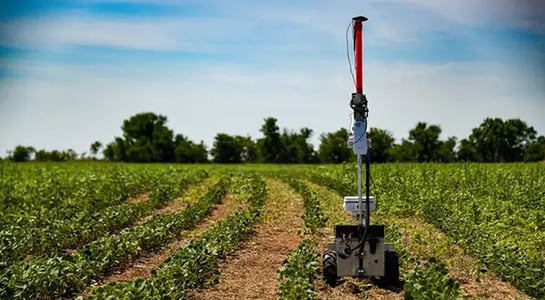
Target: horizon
{"points": [[72, 71]]}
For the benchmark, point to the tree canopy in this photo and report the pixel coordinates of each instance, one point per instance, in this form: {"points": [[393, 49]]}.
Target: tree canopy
{"points": [[147, 138]]}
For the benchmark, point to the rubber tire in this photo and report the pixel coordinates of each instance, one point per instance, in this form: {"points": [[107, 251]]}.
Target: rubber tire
{"points": [[391, 268], [329, 268]]}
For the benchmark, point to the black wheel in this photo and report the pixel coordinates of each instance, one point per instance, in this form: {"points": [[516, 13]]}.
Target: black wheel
{"points": [[391, 268], [329, 268]]}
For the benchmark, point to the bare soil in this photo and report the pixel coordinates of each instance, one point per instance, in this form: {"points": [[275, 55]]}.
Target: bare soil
{"points": [[139, 198], [251, 273]]}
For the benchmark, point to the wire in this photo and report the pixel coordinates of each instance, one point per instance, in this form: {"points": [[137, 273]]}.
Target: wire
{"points": [[348, 54], [351, 120]]}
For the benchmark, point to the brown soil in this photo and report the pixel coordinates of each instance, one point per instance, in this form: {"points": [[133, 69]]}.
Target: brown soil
{"points": [[140, 198], [142, 267], [251, 273]]}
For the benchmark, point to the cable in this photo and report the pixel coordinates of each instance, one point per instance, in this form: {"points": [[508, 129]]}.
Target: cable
{"points": [[348, 54]]}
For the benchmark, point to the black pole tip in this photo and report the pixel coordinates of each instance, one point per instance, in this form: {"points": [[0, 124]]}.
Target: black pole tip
{"points": [[360, 18]]}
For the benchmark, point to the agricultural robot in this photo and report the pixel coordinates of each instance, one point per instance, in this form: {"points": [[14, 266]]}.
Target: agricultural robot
{"points": [[360, 250]]}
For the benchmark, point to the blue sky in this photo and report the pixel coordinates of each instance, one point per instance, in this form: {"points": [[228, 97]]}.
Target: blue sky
{"points": [[72, 71]]}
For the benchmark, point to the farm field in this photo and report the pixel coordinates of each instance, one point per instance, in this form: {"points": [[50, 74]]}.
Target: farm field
{"points": [[167, 231]]}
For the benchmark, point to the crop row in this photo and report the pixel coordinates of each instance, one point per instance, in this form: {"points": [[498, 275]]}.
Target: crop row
{"points": [[35, 193], [17, 241], [495, 214], [313, 215], [63, 274], [301, 268], [194, 265]]}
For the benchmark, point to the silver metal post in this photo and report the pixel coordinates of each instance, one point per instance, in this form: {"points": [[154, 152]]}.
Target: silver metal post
{"points": [[360, 204]]}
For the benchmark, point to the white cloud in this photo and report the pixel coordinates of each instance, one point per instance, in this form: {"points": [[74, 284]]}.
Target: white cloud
{"points": [[60, 105], [76, 28], [239, 25], [72, 107]]}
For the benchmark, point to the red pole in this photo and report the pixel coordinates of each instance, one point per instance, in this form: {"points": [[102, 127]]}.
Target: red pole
{"points": [[358, 51]]}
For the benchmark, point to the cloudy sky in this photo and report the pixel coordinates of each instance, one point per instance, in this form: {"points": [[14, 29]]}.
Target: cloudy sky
{"points": [[71, 71]]}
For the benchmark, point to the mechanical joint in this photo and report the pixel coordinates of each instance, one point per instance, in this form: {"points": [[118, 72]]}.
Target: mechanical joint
{"points": [[358, 103]]}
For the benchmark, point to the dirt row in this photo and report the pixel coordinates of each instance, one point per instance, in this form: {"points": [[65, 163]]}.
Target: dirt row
{"points": [[251, 272], [143, 266]]}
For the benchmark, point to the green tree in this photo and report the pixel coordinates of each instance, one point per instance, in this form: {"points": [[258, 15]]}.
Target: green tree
{"points": [[116, 151], [41, 155], [249, 152], [496, 140], [226, 149], [270, 146], [296, 148], [188, 152], [426, 141], [535, 150], [69, 154], [22, 153], [446, 152], [467, 151], [382, 143], [55, 155], [333, 147], [95, 148], [405, 152], [146, 138]]}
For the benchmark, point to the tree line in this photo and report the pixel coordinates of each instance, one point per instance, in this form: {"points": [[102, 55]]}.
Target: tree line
{"points": [[147, 138]]}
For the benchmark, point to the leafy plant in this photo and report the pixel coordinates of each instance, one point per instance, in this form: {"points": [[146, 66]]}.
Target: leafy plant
{"points": [[431, 281], [299, 271]]}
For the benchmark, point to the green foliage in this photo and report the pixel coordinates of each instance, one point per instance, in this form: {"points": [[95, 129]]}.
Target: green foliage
{"points": [[55, 208], [333, 147], [194, 265], [21, 153], [95, 147], [295, 148], [226, 149], [382, 142], [270, 145], [426, 141], [535, 150], [405, 152], [185, 151], [55, 155], [446, 151], [467, 151], [61, 274], [498, 140], [145, 139], [299, 271], [313, 216], [431, 281], [494, 212]]}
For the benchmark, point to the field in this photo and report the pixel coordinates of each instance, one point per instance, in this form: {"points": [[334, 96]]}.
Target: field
{"points": [[122, 231]]}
